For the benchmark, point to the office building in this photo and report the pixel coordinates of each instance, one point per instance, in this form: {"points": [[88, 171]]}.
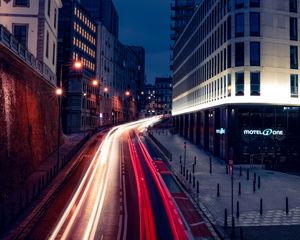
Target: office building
{"points": [[163, 95], [235, 89], [34, 25], [77, 35]]}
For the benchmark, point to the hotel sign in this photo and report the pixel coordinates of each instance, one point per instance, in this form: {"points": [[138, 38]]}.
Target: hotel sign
{"points": [[266, 132]]}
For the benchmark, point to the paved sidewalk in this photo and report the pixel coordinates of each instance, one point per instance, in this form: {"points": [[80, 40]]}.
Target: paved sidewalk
{"points": [[21, 198], [275, 187]]}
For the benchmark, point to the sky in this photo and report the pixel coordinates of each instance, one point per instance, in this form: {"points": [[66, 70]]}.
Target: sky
{"points": [[147, 23]]}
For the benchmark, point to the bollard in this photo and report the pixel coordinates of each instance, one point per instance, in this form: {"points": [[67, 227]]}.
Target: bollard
{"points": [[247, 174], [253, 186], [240, 188], [190, 178], [180, 159], [241, 234], [225, 218], [218, 190], [237, 209], [258, 184], [193, 168], [287, 205], [226, 169], [210, 166], [193, 181], [197, 187], [195, 158], [261, 207], [240, 171]]}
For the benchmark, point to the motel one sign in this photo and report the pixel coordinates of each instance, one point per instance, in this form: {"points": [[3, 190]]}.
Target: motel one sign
{"points": [[266, 132]]}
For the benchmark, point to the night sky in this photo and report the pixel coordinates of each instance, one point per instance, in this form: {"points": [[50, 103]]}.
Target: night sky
{"points": [[147, 23]]}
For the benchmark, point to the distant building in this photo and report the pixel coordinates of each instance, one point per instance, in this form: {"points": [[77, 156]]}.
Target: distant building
{"points": [[236, 78], [78, 42], [103, 11], [148, 101], [163, 95], [34, 25]]}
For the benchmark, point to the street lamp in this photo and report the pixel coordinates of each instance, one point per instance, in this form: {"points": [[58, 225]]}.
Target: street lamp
{"points": [[58, 93], [76, 65], [95, 83], [84, 97]]}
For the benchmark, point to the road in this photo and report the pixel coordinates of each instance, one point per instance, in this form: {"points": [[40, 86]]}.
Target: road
{"points": [[114, 193]]}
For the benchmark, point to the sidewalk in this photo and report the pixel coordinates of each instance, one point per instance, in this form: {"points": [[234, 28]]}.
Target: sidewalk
{"points": [[274, 187], [27, 192]]}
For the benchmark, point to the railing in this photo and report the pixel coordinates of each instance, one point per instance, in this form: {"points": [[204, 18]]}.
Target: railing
{"points": [[9, 41]]}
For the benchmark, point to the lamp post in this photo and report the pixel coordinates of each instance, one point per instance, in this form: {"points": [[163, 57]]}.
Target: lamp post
{"points": [[59, 91], [127, 94], [84, 97]]}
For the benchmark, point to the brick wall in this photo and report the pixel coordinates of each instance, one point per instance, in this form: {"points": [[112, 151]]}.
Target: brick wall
{"points": [[28, 120]]}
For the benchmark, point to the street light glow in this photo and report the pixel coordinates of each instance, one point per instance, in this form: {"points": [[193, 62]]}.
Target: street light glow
{"points": [[127, 93], [77, 65], [84, 94], [95, 82], [58, 91], [106, 89]]}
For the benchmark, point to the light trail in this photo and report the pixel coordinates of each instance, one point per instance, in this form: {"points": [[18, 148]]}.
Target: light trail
{"points": [[80, 219]]}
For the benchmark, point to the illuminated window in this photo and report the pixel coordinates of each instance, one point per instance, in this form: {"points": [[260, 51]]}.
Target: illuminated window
{"points": [[239, 84], [255, 83]]}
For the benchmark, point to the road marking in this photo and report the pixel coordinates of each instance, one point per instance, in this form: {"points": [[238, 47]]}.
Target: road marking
{"points": [[196, 224]]}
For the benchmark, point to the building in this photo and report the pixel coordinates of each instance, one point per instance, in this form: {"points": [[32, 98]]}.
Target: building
{"points": [[103, 11], [163, 95], [235, 89], [77, 35], [34, 25], [148, 101]]}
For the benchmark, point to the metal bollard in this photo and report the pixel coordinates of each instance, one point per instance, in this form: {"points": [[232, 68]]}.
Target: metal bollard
{"points": [[225, 218], [237, 209], [193, 181], [261, 207], [258, 183], [193, 168], [247, 174], [218, 190], [254, 186], [240, 188], [195, 160], [287, 205], [210, 166]]}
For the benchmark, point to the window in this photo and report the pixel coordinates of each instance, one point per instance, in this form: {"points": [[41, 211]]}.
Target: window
{"points": [[55, 17], [49, 8], [229, 28], [47, 45], [255, 83], [294, 57], [293, 5], [254, 53], [254, 24], [239, 25], [239, 4], [254, 3], [20, 33], [239, 84], [294, 85], [229, 85], [239, 54], [293, 29], [53, 56], [229, 56], [21, 3]]}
